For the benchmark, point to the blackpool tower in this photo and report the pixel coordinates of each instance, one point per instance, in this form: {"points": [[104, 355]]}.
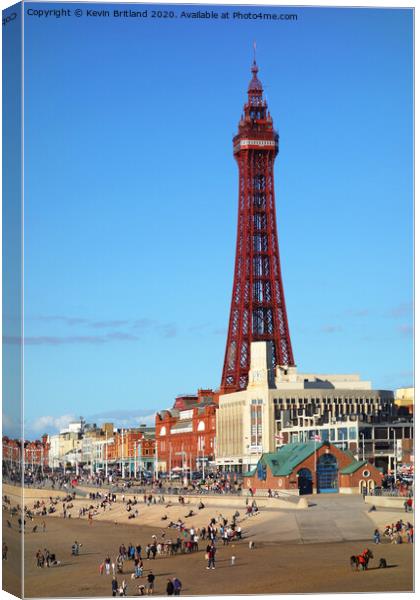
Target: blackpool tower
{"points": [[258, 309]]}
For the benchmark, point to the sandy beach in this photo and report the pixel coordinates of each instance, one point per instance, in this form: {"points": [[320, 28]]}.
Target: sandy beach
{"points": [[290, 556]]}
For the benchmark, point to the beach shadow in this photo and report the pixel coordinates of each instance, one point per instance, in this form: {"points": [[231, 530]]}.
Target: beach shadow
{"points": [[384, 568]]}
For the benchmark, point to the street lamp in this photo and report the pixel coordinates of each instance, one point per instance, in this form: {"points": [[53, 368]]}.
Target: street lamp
{"points": [[139, 457], [362, 435], [122, 454], [395, 455]]}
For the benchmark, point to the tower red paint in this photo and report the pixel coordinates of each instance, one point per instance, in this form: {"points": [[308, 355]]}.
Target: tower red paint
{"points": [[258, 309]]}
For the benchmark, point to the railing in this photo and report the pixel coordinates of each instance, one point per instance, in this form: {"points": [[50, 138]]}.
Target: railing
{"points": [[392, 493], [174, 490]]}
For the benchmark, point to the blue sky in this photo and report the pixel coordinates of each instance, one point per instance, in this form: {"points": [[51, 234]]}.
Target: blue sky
{"points": [[131, 201]]}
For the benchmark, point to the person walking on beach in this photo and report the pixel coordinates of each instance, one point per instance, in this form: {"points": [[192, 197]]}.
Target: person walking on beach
{"points": [[5, 550], [170, 587], [150, 583], [211, 554], [177, 586], [377, 536], [39, 559], [123, 588], [107, 565], [114, 586]]}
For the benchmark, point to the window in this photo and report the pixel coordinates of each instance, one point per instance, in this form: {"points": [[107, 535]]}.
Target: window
{"points": [[381, 433], [342, 433], [332, 435], [256, 423], [324, 435], [352, 433]]}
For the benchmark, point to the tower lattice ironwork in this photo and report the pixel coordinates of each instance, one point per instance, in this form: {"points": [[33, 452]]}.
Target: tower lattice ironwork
{"points": [[258, 309]]}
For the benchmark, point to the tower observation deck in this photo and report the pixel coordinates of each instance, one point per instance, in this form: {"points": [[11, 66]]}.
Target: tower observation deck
{"points": [[258, 309]]}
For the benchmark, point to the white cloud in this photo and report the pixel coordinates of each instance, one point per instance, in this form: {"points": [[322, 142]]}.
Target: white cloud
{"points": [[49, 424], [121, 418]]}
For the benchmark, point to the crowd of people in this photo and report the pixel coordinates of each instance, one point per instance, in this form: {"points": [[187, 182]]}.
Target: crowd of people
{"points": [[130, 559], [127, 566], [396, 533], [46, 559]]}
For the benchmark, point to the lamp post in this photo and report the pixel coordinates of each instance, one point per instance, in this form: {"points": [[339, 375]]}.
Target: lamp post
{"points": [[106, 454], [140, 454], [156, 460], [122, 454], [395, 455]]}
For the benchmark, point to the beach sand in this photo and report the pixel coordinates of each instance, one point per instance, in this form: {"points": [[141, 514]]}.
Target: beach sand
{"points": [[273, 567]]}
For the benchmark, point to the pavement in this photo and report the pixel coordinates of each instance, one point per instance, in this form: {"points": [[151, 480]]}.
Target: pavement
{"points": [[329, 518]]}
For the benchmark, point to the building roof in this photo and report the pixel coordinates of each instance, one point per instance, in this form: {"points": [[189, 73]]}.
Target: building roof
{"points": [[289, 456], [353, 467]]}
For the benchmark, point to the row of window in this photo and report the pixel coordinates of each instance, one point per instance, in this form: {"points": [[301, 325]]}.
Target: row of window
{"points": [[328, 400], [332, 435]]}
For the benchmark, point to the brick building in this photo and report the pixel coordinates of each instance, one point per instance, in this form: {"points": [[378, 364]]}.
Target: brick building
{"points": [[133, 448], [312, 467], [12, 450], [35, 452], [186, 433]]}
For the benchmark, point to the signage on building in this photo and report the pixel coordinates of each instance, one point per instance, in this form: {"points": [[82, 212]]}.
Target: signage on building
{"points": [[399, 450], [186, 429], [255, 449], [186, 414]]}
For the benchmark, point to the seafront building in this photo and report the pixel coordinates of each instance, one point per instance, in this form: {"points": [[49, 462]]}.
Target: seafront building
{"points": [[35, 453], [130, 451], [404, 399], [312, 467], [281, 406], [186, 433]]}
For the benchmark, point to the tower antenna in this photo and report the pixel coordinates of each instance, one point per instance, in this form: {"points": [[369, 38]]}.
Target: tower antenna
{"points": [[255, 51]]}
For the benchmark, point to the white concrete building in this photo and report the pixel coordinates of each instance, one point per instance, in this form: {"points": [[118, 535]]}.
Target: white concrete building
{"points": [[282, 405]]}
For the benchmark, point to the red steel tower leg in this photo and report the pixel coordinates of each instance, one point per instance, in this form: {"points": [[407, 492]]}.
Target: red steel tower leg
{"points": [[258, 309]]}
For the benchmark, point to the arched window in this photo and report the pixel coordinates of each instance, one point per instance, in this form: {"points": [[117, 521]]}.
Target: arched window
{"points": [[163, 430], [201, 426]]}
